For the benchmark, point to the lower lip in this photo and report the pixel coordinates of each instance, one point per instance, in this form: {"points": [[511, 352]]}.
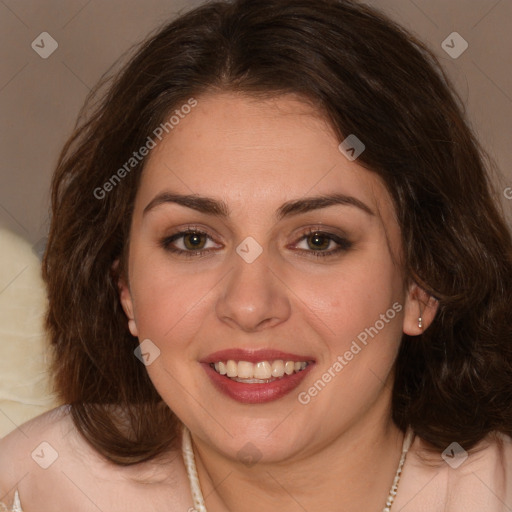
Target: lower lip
{"points": [[256, 393]]}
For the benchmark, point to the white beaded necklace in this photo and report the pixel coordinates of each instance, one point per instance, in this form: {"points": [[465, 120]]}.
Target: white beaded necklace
{"points": [[197, 495]]}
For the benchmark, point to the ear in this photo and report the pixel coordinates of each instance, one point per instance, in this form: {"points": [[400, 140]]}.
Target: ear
{"points": [[418, 304], [126, 298]]}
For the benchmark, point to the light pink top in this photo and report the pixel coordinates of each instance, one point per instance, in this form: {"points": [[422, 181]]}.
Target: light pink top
{"points": [[482, 482]]}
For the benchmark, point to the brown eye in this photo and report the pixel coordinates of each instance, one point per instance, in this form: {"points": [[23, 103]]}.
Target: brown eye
{"points": [[318, 241], [322, 244], [194, 241], [190, 243]]}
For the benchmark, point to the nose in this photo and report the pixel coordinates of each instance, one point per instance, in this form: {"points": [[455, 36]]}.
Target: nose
{"points": [[253, 297]]}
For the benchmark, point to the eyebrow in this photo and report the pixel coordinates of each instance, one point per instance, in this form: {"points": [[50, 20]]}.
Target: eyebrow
{"points": [[219, 208]]}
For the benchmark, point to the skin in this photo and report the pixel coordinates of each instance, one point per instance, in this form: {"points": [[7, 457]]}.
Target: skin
{"points": [[341, 450], [338, 452]]}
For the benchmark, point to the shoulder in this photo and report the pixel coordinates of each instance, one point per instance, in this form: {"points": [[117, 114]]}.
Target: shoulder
{"points": [[484, 478], [456, 480], [491, 461], [29, 447], [19, 447], [54, 469]]}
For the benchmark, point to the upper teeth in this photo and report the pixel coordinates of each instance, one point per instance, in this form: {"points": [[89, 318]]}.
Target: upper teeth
{"points": [[261, 370]]}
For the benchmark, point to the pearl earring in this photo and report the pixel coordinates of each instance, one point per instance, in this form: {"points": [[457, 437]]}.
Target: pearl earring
{"points": [[420, 324]]}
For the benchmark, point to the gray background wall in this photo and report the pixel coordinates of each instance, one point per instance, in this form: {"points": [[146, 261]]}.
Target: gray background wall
{"points": [[40, 98]]}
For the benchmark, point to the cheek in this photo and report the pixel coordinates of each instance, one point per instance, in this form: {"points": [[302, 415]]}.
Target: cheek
{"points": [[355, 302], [169, 305], [358, 313]]}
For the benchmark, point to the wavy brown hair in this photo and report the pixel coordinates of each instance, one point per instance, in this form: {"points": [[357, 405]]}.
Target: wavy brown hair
{"points": [[370, 78]]}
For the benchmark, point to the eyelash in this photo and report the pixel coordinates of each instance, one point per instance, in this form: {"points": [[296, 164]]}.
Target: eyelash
{"points": [[166, 243], [343, 244]]}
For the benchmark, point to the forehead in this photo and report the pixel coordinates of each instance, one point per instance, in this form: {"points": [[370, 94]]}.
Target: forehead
{"points": [[256, 154]]}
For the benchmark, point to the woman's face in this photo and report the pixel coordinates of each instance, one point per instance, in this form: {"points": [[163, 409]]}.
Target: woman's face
{"points": [[255, 239]]}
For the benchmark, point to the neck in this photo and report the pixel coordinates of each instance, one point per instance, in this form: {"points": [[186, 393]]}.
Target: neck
{"points": [[352, 472]]}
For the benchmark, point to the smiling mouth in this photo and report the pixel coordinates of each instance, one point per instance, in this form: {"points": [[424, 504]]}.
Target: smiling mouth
{"points": [[261, 372]]}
